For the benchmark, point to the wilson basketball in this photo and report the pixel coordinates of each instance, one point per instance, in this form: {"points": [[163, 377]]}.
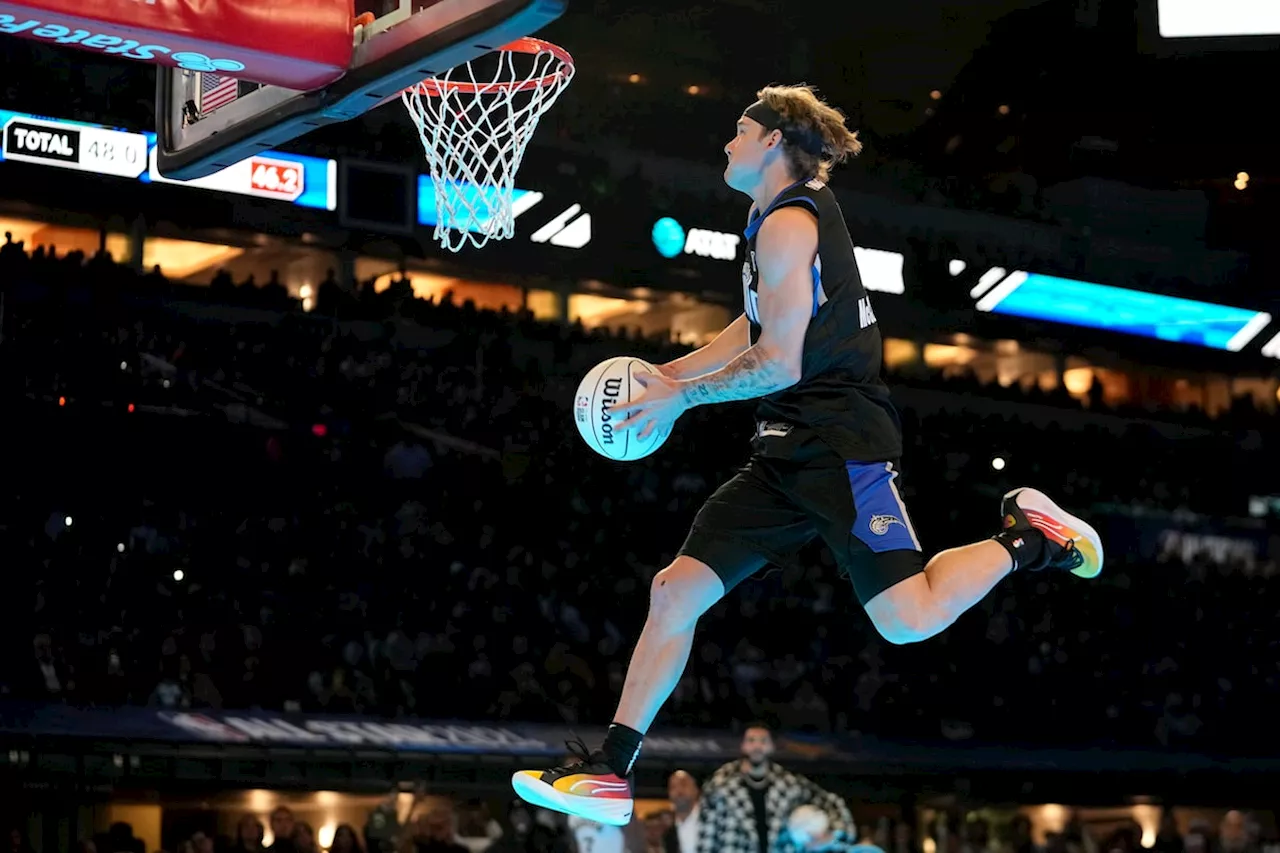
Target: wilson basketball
{"points": [[609, 384]]}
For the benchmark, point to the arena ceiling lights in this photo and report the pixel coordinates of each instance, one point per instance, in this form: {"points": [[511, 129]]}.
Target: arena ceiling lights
{"points": [[1198, 19]]}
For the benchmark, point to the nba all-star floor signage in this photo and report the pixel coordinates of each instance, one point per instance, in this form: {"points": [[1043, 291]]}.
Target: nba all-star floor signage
{"points": [[410, 735], [234, 728], [50, 727], [227, 728]]}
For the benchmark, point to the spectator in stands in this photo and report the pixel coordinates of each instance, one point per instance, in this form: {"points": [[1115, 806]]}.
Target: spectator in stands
{"points": [[654, 830], [597, 837], [345, 840], [18, 842], [119, 838], [523, 834], [1168, 838], [1237, 834], [1198, 839], [202, 842], [434, 833], [475, 829], [282, 830], [1020, 840], [382, 827], [684, 793], [50, 677], [746, 803], [325, 566], [249, 835], [304, 838], [1127, 838]]}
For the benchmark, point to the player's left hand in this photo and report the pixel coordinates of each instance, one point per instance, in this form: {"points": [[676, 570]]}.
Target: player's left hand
{"points": [[657, 408]]}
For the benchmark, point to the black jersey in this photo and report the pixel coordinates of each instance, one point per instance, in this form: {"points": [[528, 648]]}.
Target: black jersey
{"points": [[840, 395]]}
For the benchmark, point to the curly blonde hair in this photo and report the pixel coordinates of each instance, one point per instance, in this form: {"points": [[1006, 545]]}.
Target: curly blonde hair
{"points": [[804, 112]]}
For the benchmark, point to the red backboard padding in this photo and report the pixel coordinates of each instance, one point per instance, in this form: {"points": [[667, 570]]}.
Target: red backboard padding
{"points": [[301, 44]]}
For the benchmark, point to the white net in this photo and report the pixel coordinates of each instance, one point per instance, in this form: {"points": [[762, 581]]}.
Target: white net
{"points": [[474, 129]]}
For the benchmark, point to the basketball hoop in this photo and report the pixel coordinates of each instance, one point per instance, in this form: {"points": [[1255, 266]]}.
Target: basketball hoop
{"points": [[474, 129]]}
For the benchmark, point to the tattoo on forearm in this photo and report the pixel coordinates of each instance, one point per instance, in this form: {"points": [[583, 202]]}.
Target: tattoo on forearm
{"points": [[748, 376]]}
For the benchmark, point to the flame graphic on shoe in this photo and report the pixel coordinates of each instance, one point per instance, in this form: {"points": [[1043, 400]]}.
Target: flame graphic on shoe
{"points": [[1050, 527], [597, 787]]}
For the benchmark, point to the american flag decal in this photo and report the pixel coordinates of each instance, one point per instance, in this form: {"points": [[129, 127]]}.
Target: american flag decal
{"points": [[217, 90]]}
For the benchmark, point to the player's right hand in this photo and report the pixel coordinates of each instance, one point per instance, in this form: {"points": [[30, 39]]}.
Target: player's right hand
{"points": [[668, 371]]}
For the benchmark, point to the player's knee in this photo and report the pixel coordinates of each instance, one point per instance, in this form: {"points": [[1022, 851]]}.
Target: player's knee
{"points": [[903, 615], [682, 592], [904, 629]]}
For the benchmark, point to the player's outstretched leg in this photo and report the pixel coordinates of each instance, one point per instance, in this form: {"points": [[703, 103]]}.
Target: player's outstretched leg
{"points": [[1038, 535], [597, 785]]}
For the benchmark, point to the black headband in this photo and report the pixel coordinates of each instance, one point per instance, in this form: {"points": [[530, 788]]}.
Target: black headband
{"points": [[807, 141]]}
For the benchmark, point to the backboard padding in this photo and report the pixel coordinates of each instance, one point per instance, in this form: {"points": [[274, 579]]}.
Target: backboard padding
{"points": [[387, 61]]}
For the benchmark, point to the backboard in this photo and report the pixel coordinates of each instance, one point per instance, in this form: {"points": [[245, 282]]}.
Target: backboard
{"points": [[205, 122]]}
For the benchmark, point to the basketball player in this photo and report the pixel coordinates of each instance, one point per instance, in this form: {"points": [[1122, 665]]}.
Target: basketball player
{"points": [[824, 459]]}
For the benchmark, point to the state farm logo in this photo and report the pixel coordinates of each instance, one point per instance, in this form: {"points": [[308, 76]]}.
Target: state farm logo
{"points": [[114, 45], [45, 143]]}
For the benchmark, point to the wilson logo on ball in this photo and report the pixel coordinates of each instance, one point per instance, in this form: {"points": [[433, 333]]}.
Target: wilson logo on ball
{"points": [[612, 390]]}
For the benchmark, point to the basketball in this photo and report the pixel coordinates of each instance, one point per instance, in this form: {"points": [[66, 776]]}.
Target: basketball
{"points": [[608, 384]]}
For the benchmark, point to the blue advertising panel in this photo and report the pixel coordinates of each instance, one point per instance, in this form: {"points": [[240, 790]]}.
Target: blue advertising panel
{"points": [[465, 197], [1116, 309]]}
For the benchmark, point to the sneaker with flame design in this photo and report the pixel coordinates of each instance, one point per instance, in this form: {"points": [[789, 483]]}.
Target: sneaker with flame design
{"points": [[587, 788], [1070, 544]]}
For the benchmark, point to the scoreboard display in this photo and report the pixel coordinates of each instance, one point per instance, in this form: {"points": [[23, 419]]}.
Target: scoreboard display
{"points": [[84, 148], [62, 144]]}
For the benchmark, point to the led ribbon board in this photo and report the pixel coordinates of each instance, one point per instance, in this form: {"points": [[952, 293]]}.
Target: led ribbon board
{"points": [[295, 178], [73, 145], [1198, 19], [84, 147], [1116, 309], [475, 198]]}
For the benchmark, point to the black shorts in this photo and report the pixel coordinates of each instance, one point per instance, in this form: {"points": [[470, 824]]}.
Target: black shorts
{"points": [[793, 489]]}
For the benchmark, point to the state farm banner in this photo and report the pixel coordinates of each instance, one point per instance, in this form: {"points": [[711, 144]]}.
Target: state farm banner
{"points": [[300, 44]]}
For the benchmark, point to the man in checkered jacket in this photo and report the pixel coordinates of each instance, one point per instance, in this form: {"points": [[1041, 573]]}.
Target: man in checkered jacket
{"points": [[746, 803]]}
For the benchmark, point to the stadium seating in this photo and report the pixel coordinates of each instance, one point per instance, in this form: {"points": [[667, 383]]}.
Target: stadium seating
{"points": [[388, 512]]}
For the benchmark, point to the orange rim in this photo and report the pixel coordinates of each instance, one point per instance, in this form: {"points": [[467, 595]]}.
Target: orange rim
{"points": [[533, 46]]}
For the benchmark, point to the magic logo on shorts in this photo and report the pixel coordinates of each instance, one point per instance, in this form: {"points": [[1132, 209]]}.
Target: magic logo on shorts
{"points": [[880, 524]]}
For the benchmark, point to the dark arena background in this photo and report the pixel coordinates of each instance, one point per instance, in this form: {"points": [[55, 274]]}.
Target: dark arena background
{"points": [[303, 551]]}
